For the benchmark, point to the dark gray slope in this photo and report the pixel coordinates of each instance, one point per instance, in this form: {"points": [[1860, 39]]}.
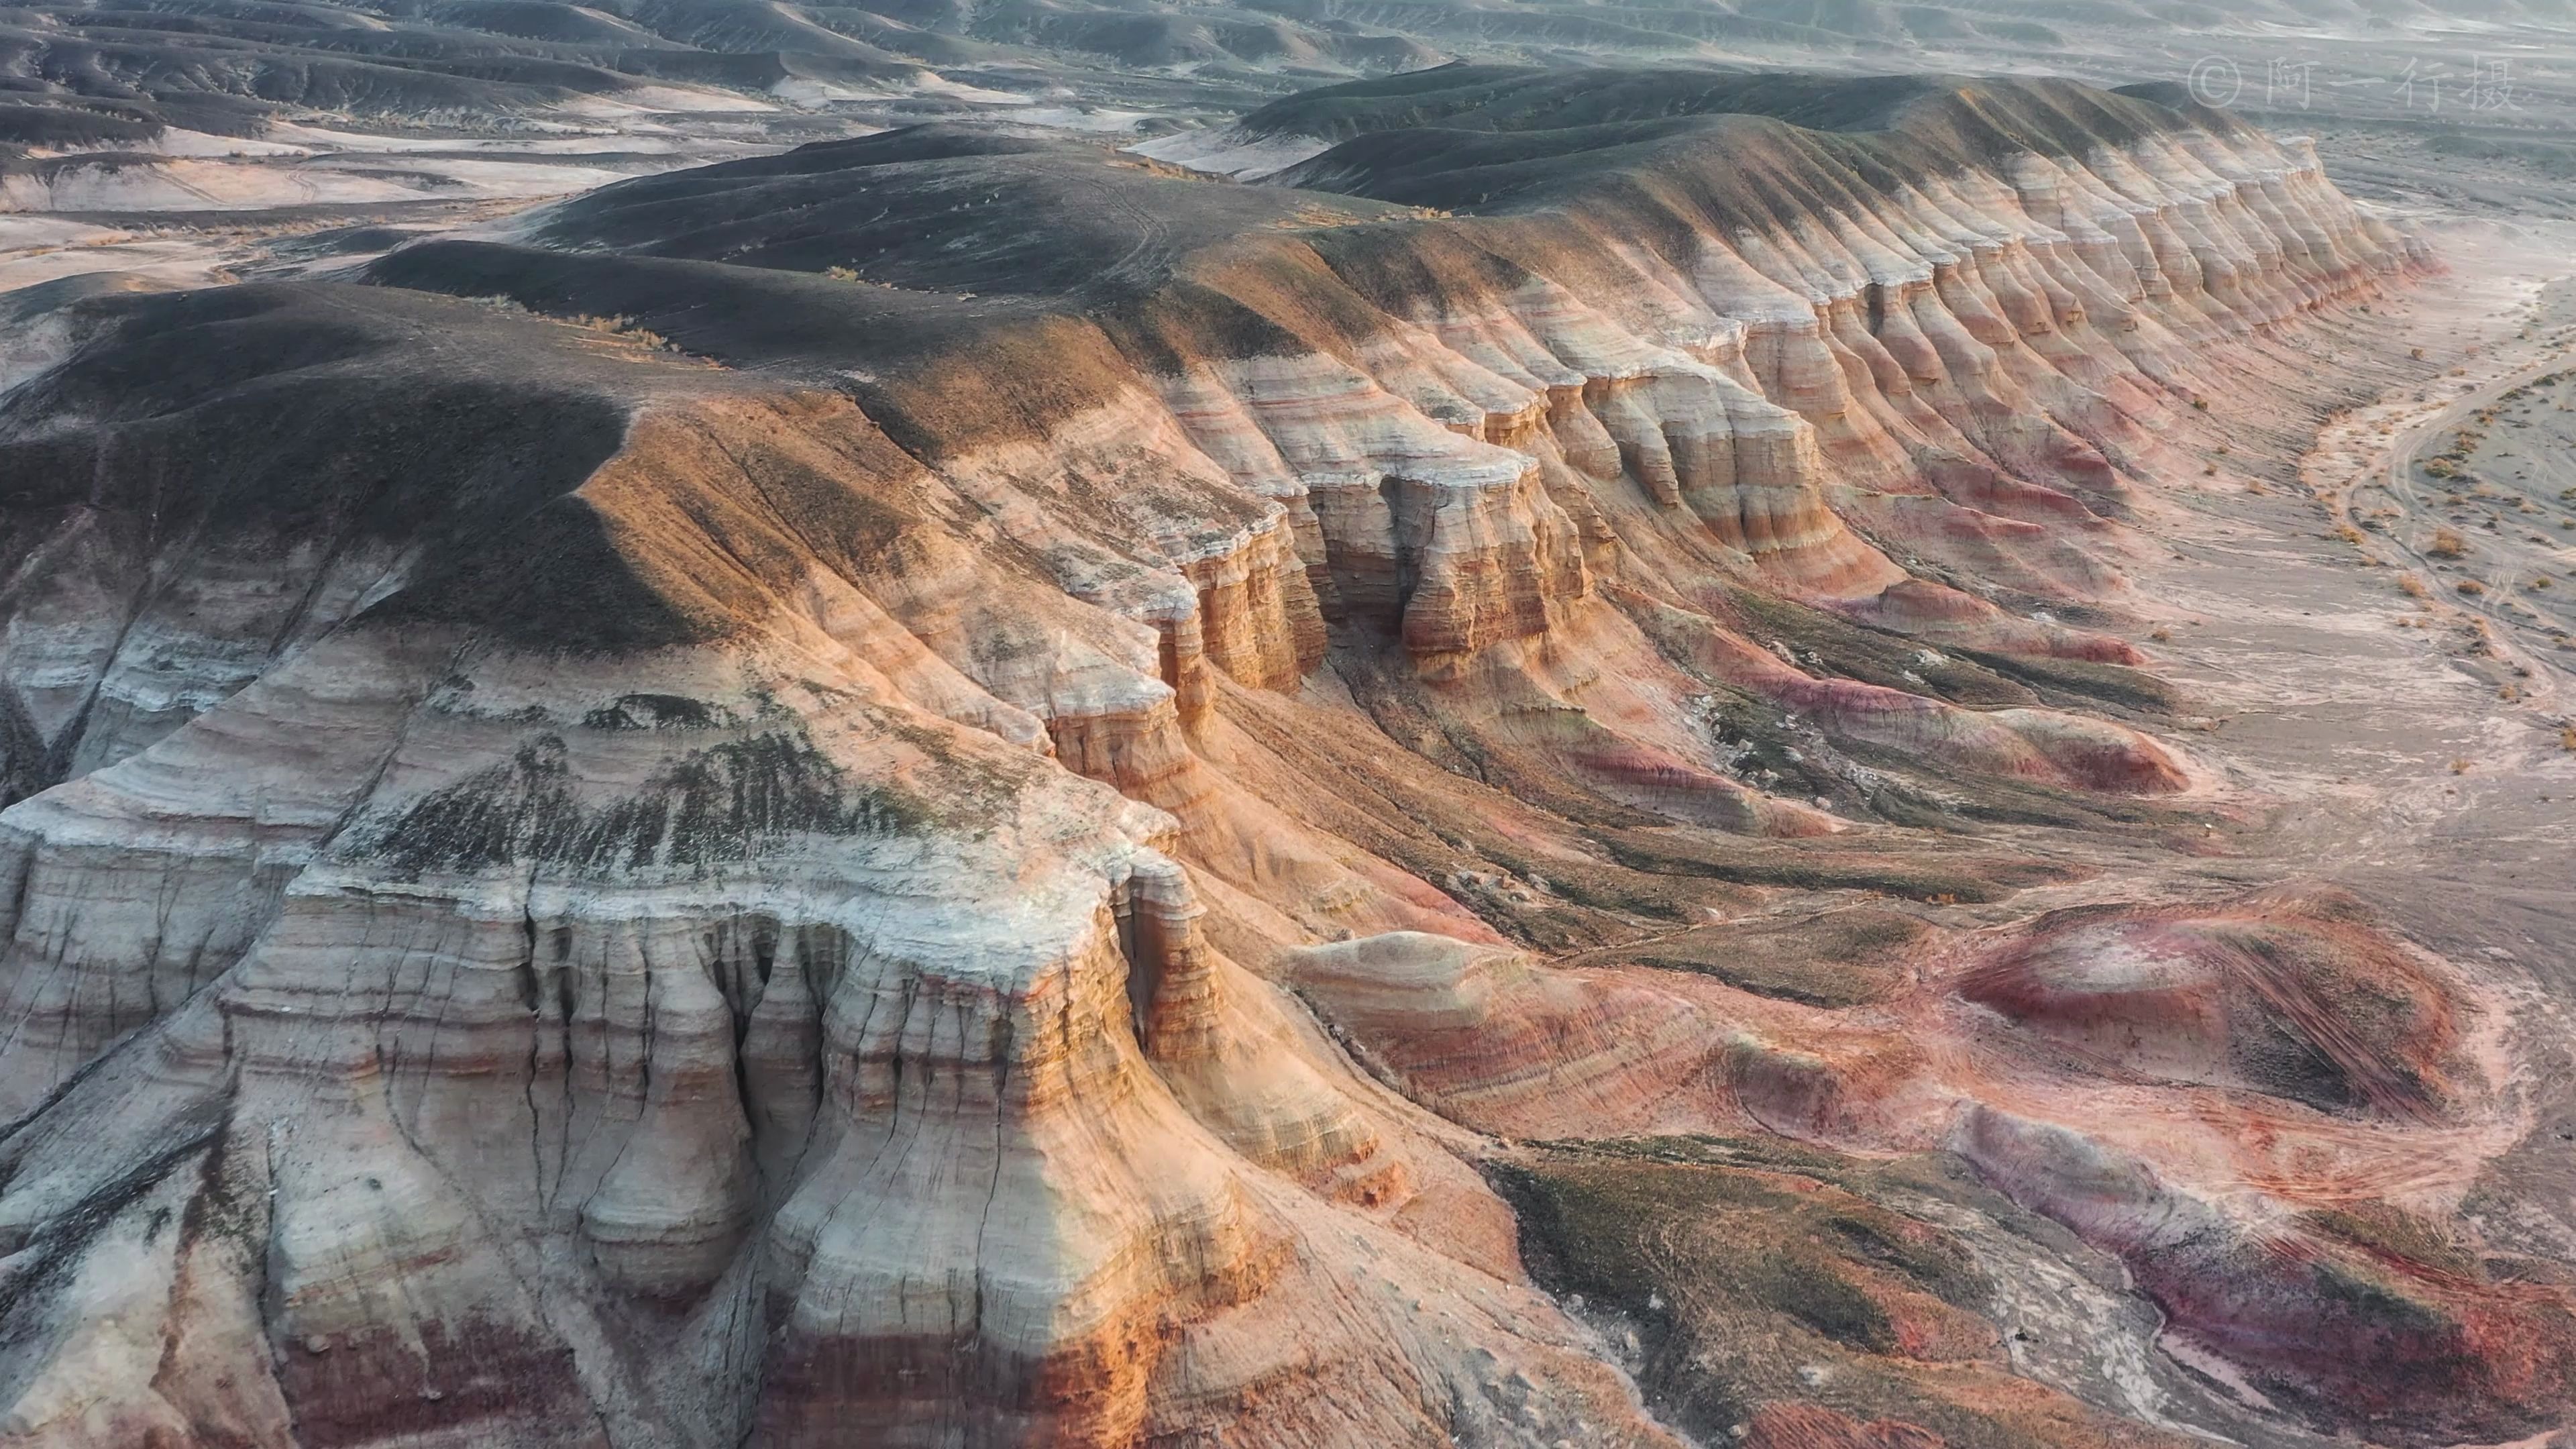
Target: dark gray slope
{"points": [[1755, 146]]}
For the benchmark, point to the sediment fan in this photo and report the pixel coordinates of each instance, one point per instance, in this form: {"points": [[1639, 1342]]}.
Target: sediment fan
{"points": [[918, 792]]}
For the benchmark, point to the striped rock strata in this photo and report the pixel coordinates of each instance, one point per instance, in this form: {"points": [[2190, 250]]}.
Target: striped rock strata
{"points": [[736, 872]]}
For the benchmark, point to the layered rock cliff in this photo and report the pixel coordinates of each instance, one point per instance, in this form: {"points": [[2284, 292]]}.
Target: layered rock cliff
{"points": [[912, 784]]}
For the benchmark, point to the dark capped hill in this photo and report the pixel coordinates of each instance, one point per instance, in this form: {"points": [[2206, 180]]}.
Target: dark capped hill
{"points": [[2019, 113], [939, 208], [1776, 144], [873, 265], [250, 421], [907, 241]]}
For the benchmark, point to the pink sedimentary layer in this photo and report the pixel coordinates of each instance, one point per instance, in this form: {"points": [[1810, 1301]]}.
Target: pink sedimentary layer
{"points": [[399, 1061]]}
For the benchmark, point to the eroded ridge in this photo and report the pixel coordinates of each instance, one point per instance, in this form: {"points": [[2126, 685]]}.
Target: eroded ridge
{"points": [[929, 783]]}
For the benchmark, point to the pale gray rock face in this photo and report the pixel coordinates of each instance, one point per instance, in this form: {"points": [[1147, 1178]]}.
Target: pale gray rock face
{"points": [[569, 883]]}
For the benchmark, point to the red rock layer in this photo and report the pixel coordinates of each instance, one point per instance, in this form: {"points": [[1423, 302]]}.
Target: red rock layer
{"points": [[769, 929]]}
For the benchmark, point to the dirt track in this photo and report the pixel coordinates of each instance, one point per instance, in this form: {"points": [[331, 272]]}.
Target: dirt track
{"points": [[2406, 748], [2376, 454]]}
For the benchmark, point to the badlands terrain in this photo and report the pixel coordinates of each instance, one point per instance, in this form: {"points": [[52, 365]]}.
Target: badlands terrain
{"points": [[788, 727]]}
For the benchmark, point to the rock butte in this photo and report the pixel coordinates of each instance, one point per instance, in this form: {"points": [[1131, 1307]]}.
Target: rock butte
{"points": [[951, 827]]}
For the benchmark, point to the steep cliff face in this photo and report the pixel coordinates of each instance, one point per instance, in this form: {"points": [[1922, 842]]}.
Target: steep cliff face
{"points": [[803, 812]]}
